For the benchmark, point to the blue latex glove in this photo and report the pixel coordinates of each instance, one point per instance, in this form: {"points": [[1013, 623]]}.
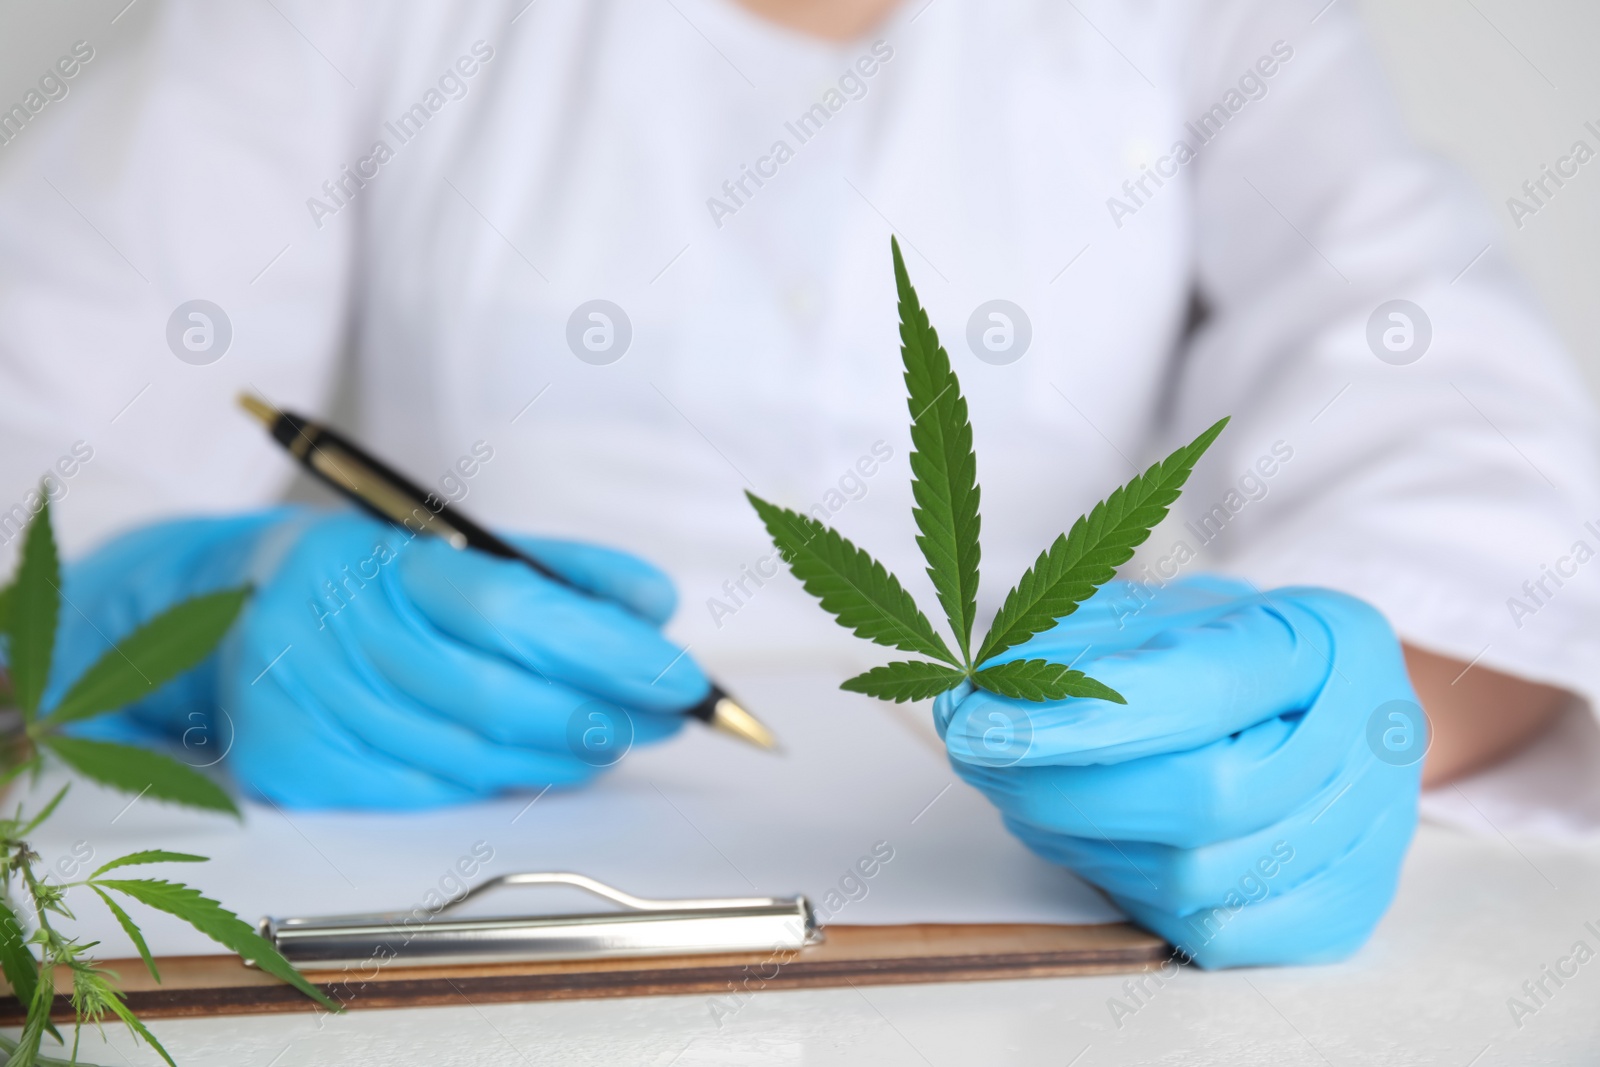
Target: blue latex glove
{"points": [[373, 669], [1237, 805]]}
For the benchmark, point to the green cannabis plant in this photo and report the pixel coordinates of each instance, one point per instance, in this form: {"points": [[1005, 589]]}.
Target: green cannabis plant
{"points": [[866, 598], [33, 949]]}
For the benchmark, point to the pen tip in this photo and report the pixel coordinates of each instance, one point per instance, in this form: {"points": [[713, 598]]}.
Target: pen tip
{"points": [[732, 719], [259, 408]]}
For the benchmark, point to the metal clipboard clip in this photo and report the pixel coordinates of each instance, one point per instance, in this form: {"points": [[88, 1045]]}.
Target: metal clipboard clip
{"points": [[646, 928]]}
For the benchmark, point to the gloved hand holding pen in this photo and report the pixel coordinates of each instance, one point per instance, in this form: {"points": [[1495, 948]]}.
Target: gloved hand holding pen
{"points": [[377, 669], [1253, 800]]}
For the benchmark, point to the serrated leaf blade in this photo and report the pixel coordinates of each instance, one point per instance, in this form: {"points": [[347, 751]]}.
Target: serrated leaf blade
{"points": [[217, 923], [130, 928], [26, 1053], [905, 680], [149, 855], [1079, 562], [140, 771], [853, 587], [123, 1012], [944, 468], [34, 609], [154, 654], [1038, 679], [21, 969], [45, 812]]}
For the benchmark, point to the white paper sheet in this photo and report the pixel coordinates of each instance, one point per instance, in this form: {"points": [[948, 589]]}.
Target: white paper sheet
{"points": [[699, 816]]}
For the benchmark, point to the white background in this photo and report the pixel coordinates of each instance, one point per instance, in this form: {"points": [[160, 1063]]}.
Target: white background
{"points": [[1500, 87]]}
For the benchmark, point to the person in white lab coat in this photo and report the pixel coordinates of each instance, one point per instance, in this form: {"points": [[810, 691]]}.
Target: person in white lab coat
{"points": [[596, 268]]}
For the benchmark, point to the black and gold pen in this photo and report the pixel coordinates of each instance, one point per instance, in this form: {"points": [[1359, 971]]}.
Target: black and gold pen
{"points": [[390, 495]]}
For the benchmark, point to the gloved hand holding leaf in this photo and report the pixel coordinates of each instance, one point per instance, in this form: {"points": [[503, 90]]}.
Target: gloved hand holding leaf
{"points": [[1210, 767]]}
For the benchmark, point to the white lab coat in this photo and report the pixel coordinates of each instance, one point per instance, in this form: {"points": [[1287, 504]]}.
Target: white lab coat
{"points": [[532, 162]]}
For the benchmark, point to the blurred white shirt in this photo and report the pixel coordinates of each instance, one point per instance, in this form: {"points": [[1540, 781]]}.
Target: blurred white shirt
{"points": [[537, 158]]}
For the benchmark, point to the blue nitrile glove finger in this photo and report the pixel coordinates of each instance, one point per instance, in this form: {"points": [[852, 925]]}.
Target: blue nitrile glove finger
{"points": [[1124, 615], [495, 682], [595, 645], [497, 696], [333, 689], [302, 641], [1220, 789], [1257, 661], [131, 579], [1120, 616], [639, 585], [1184, 879], [282, 743], [1223, 789], [1322, 920], [1233, 846], [337, 629]]}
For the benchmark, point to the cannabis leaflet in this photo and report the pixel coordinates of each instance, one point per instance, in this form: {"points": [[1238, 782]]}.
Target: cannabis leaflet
{"points": [[866, 598]]}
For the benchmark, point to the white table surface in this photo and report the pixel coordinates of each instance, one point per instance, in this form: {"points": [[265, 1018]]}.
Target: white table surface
{"points": [[1474, 919]]}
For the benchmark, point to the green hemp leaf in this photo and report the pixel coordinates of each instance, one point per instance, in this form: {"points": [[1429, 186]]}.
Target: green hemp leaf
{"points": [[944, 469], [32, 949], [865, 597], [133, 668]]}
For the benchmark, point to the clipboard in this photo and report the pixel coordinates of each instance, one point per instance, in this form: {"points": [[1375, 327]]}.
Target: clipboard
{"points": [[722, 947], [954, 897]]}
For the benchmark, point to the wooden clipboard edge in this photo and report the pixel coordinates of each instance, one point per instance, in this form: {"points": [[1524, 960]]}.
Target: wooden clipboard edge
{"points": [[852, 955]]}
